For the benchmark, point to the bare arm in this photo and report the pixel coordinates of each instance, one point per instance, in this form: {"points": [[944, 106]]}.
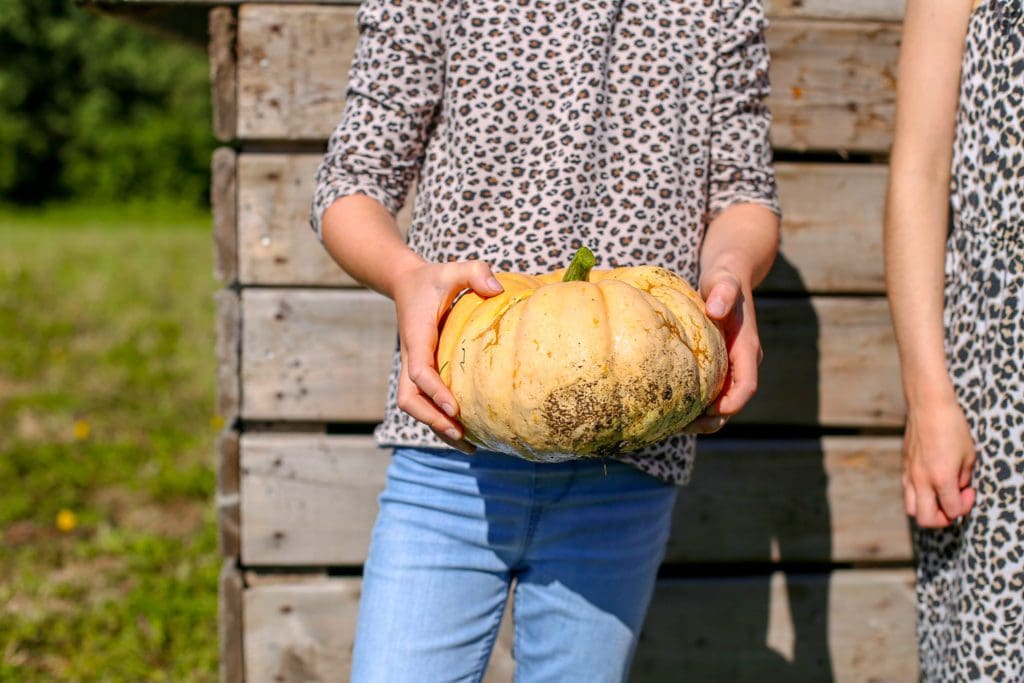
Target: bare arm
{"points": [[738, 251], [373, 157], [361, 235], [938, 454], [741, 240]]}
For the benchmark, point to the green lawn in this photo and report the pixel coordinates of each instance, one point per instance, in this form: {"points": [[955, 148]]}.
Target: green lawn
{"points": [[108, 561]]}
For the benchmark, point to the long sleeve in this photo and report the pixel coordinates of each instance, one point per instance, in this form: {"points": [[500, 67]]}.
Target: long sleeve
{"points": [[741, 156], [393, 92]]}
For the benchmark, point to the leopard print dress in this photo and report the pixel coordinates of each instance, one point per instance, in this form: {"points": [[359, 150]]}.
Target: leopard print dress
{"points": [[971, 575], [534, 127]]}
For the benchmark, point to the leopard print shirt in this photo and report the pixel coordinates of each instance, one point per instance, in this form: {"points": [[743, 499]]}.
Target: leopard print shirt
{"points": [[970, 587], [535, 127]]}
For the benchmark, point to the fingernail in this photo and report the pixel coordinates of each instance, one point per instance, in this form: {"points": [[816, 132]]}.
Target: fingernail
{"points": [[716, 307], [453, 434], [448, 408], [493, 283]]}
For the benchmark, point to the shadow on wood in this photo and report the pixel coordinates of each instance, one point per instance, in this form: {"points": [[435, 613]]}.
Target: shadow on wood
{"points": [[778, 624]]}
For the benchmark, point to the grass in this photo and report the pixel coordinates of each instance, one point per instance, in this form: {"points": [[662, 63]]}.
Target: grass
{"points": [[108, 559]]}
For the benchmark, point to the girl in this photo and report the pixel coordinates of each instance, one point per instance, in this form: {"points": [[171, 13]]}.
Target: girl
{"points": [[636, 128], [958, 161]]}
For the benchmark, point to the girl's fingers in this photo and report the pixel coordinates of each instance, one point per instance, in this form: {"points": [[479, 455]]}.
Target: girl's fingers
{"points": [[967, 497], [927, 508], [743, 382], [705, 424], [929, 514], [949, 499], [458, 444], [419, 344], [478, 276], [909, 497], [412, 400], [722, 298]]}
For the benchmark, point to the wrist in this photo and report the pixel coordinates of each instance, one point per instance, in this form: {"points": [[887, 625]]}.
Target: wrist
{"points": [[928, 391], [402, 265]]}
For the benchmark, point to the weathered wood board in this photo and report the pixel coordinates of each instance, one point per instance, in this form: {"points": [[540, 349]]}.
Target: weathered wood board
{"points": [[847, 626], [833, 82], [224, 207], [879, 10], [831, 230], [230, 626], [229, 327], [857, 625], [227, 494], [311, 500], [833, 85], [324, 355], [890, 10], [223, 71], [293, 64], [302, 632]]}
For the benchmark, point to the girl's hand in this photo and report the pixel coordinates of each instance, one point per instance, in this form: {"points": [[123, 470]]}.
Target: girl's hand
{"points": [[938, 457], [422, 296], [730, 303]]}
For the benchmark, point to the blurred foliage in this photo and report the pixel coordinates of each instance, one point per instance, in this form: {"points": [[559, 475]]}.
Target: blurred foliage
{"points": [[93, 108]]}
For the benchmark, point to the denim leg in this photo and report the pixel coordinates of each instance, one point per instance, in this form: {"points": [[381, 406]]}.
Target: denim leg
{"points": [[434, 588], [589, 573], [583, 540]]}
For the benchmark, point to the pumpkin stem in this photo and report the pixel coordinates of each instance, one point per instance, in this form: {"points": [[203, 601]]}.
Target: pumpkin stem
{"points": [[579, 269]]}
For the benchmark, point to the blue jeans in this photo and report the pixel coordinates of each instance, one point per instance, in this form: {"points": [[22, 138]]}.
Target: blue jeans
{"points": [[582, 540]]}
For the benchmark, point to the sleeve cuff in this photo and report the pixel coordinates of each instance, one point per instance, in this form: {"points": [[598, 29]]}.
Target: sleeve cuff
{"points": [[762, 194]]}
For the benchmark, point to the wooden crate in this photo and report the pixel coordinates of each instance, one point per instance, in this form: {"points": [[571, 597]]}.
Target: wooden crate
{"points": [[790, 554]]}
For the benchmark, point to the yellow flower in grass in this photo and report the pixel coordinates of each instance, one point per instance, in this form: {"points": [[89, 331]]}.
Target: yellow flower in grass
{"points": [[81, 430], [217, 422], [66, 521]]}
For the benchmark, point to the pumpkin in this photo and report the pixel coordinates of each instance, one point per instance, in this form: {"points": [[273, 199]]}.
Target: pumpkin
{"points": [[581, 362]]}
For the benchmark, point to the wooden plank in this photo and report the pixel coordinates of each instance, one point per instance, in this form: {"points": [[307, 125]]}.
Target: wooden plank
{"points": [[864, 10], [833, 81], [228, 512], [229, 323], [833, 85], [891, 10], [230, 623], [832, 499], [223, 71], [186, 19], [277, 246], [224, 205], [827, 246], [293, 64], [324, 355], [304, 631], [831, 229], [300, 632], [847, 626], [311, 500], [829, 361], [315, 354]]}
